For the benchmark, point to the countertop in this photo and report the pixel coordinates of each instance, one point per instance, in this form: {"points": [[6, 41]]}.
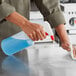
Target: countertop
{"points": [[44, 59]]}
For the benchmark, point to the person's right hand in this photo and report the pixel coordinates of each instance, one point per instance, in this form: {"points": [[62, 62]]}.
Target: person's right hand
{"points": [[34, 31]]}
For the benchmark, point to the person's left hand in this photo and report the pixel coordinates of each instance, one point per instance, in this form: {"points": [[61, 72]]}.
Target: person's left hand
{"points": [[66, 46]]}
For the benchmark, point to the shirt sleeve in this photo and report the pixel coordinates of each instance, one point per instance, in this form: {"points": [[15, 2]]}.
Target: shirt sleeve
{"points": [[51, 11], [5, 10]]}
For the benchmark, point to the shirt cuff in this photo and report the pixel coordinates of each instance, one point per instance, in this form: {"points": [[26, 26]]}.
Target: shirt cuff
{"points": [[55, 19], [5, 10]]}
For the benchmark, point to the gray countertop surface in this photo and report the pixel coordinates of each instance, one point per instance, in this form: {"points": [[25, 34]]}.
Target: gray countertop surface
{"points": [[45, 59]]}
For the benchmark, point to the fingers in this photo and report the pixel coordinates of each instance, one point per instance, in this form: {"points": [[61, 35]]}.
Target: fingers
{"points": [[35, 32], [40, 31], [68, 49], [43, 33], [66, 46], [35, 37], [39, 34], [30, 36]]}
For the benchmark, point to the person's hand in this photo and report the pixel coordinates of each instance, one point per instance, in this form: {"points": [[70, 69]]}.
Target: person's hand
{"points": [[64, 38], [66, 45], [34, 31]]}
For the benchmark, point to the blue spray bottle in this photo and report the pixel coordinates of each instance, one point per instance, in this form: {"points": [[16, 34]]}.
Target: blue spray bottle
{"points": [[16, 43]]}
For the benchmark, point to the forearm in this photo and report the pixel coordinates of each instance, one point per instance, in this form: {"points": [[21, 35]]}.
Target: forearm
{"points": [[17, 19], [33, 30], [62, 33]]}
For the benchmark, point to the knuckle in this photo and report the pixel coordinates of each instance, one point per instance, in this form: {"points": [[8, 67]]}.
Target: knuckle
{"points": [[33, 32], [37, 30], [30, 35], [40, 26]]}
